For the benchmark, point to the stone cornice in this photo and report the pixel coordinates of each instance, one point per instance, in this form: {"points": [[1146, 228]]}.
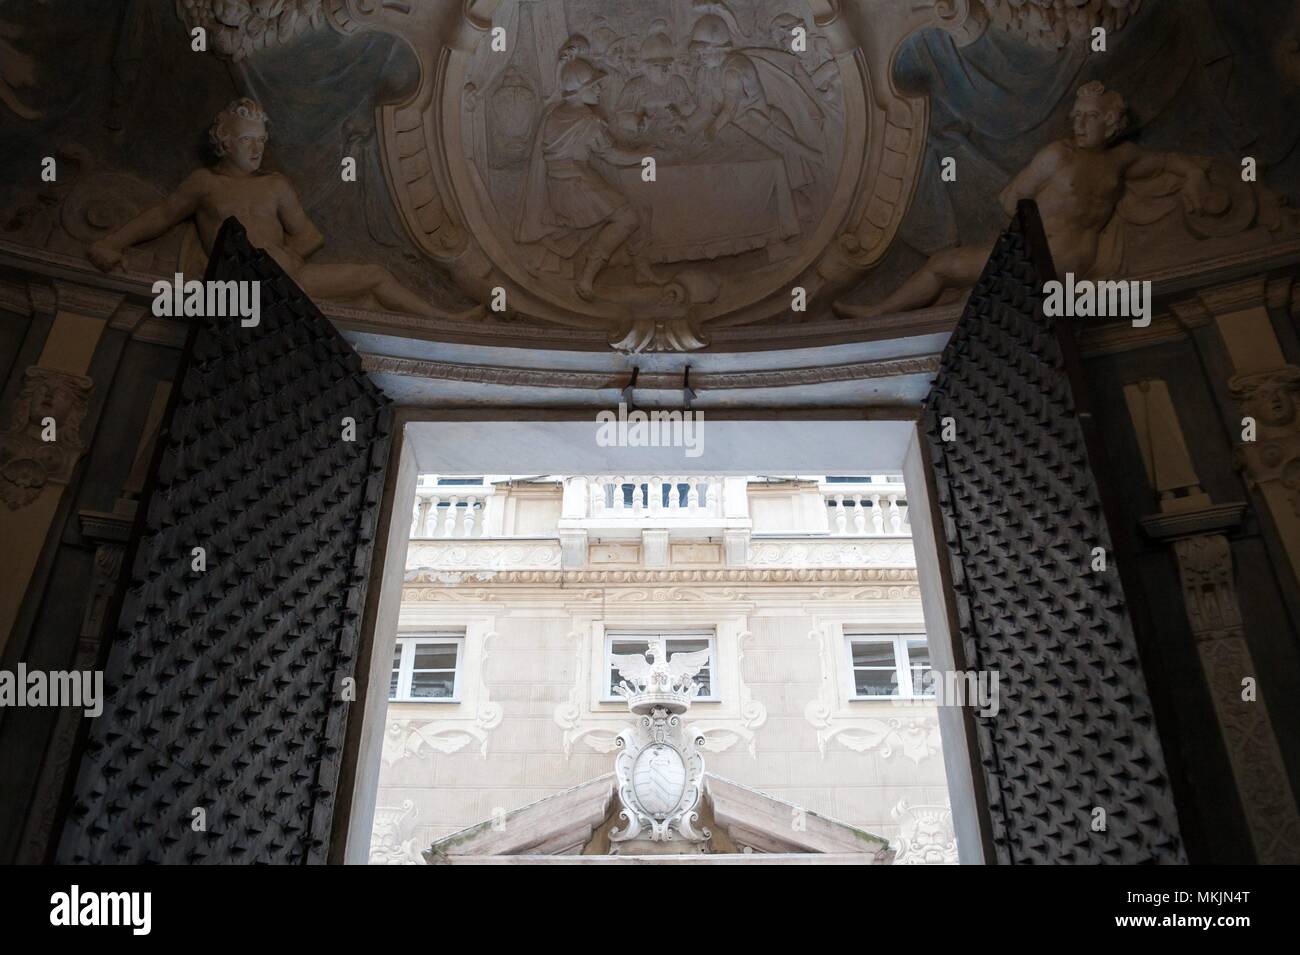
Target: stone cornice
{"points": [[1207, 520], [634, 578], [598, 380], [1233, 280]]}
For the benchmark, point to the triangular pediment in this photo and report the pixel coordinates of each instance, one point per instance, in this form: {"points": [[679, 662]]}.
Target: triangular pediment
{"points": [[746, 825]]}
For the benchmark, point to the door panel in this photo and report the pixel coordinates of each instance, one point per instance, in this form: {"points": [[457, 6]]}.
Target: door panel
{"points": [[1022, 517], [226, 686]]}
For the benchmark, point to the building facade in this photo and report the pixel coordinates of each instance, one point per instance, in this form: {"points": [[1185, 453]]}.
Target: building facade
{"points": [[802, 592]]}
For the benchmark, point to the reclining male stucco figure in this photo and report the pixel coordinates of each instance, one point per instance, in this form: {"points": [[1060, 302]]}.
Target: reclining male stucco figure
{"points": [[268, 207], [1078, 184]]}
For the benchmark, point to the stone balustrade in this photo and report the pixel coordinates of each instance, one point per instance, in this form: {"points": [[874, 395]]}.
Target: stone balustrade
{"points": [[446, 512], [874, 508]]}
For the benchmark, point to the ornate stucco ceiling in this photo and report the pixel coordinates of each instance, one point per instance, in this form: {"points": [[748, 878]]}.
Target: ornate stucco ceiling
{"points": [[798, 201]]}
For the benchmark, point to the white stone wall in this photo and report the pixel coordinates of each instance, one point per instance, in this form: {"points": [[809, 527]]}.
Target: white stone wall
{"points": [[529, 722]]}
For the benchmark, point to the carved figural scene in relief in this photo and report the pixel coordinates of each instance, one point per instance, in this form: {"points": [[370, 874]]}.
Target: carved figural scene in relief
{"points": [[745, 134], [268, 207]]}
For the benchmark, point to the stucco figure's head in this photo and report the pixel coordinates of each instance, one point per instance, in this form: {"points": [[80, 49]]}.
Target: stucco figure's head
{"points": [[658, 55], [1098, 117], [1270, 397], [238, 134], [574, 47], [782, 28], [711, 40], [580, 81]]}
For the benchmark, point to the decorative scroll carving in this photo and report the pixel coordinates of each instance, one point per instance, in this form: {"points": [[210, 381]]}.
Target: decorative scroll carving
{"points": [[86, 204], [867, 553], [660, 773], [925, 836], [480, 556], [471, 720], [43, 440], [1021, 515], [914, 734], [225, 690]]}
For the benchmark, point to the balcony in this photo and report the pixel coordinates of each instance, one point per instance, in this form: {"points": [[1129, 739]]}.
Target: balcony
{"points": [[875, 508], [451, 510], [655, 521]]}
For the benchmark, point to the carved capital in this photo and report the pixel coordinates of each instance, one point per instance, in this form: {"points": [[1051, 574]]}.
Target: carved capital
{"points": [[87, 300], [1205, 566], [1235, 297]]}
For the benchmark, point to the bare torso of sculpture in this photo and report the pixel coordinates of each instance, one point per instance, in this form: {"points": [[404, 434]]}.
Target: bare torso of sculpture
{"points": [[1078, 198], [257, 201], [267, 206]]}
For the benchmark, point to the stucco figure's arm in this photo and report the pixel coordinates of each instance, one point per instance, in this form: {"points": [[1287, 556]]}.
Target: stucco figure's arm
{"points": [[1197, 191], [619, 157], [153, 222], [301, 235], [1027, 183], [732, 90]]}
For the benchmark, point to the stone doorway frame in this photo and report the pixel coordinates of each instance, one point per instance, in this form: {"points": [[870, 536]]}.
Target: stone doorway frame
{"points": [[896, 444]]}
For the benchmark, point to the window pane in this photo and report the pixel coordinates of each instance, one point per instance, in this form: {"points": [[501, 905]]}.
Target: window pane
{"points": [[435, 656], [622, 647], [397, 667], [432, 685], [875, 682], [703, 677], [923, 682], [918, 653], [873, 653], [673, 647], [629, 646]]}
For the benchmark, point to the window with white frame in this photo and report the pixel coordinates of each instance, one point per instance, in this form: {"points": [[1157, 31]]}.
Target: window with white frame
{"points": [[426, 667], [675, 641], [890, 665]]}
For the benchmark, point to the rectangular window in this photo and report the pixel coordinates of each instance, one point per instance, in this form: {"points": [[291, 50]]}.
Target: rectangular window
{"points": [[890, 665], [426, 667], [675, 642]]}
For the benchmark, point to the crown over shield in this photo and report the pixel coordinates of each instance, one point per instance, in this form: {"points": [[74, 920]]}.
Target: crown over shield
{"points": [[660, 769]]}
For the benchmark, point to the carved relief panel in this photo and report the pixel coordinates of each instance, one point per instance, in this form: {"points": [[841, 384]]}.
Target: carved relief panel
{"points": [[651, 170]]}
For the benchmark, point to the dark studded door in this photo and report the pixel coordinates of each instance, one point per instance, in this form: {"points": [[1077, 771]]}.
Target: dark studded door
{"points": [[228, 681], [1071, 762]]}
